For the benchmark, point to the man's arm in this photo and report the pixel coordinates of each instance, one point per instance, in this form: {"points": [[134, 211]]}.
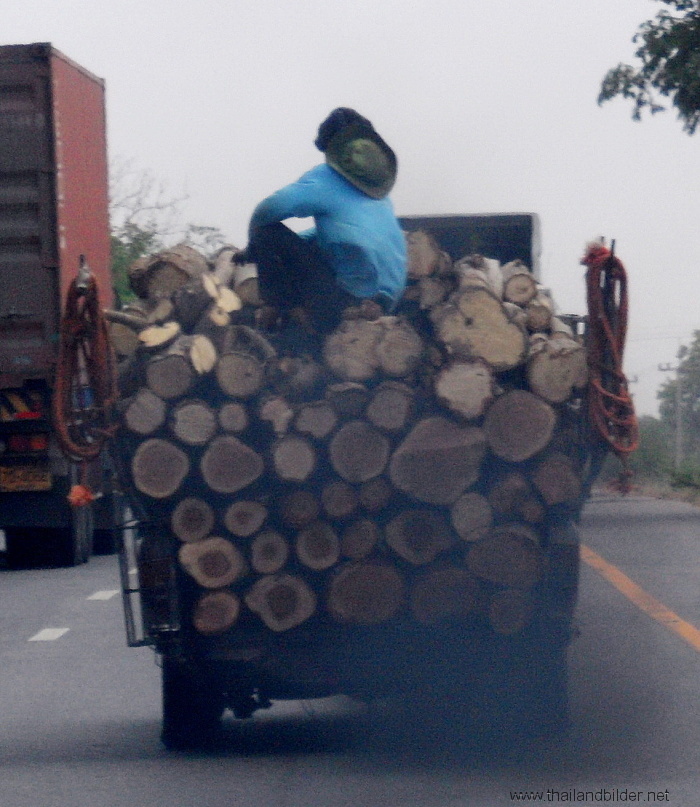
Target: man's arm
{"points": [[298, 200]]}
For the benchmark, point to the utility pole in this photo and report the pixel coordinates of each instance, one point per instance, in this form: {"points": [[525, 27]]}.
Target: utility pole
{"points": [[678, 455]]}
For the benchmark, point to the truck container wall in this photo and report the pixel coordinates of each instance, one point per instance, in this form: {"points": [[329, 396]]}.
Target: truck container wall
{"points": [[53, 200], [504, 236], [53, 208]]}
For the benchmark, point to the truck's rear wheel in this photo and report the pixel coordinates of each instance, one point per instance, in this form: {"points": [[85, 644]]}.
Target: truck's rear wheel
{"points": [[191, 710], [29, 547], [540, 693], [21, 547], [71, 545]]}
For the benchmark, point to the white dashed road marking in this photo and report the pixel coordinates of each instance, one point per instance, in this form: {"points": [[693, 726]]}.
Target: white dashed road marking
{"points": [[48, 635], [107, 594]]}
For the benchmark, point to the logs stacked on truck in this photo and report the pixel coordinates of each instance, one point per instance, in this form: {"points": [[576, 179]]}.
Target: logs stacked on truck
{"points": [[402, 468]]}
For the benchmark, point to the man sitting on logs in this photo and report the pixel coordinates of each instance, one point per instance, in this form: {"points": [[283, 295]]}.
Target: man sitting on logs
{"points": [[355, 256]]}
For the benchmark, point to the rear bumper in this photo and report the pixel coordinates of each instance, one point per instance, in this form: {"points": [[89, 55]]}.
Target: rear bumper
{"points": [[360, 662]]}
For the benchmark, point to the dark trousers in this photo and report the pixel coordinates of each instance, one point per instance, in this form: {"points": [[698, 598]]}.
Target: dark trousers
{"points": [[292, 271]]}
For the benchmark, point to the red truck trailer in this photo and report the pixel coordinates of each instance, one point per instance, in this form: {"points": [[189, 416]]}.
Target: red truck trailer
{"points": [[53, 209]]}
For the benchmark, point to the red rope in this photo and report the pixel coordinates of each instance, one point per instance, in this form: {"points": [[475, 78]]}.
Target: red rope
{"points": [[610, 406], [85, 389]]}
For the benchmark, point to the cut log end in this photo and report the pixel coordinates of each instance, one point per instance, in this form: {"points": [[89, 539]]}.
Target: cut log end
{"points": [[192, 519], [438, 460], [519, 425], [471, 516], [508, 556], [318, 546], [358, 451], [366, 593], [215, 612], [229, 465], [510, 610], [159, 468], [269, 552], [213, 562], [419, 535], [244, 518], [281, 601]]}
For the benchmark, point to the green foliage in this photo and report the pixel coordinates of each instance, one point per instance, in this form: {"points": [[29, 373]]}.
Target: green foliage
{"points": [[652, 461], [129, 243], [687, 476], [144, 217], [654, 457], [669, 51], [688, 377]]}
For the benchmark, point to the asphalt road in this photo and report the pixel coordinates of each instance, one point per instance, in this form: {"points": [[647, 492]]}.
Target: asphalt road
{"points": [[80, 712]]}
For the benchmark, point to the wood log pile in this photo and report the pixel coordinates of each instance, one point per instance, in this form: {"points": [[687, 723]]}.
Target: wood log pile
{"points": [[406, 467]]}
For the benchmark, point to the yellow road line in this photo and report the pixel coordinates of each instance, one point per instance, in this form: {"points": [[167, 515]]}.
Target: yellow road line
{"points": [[650, 605]]}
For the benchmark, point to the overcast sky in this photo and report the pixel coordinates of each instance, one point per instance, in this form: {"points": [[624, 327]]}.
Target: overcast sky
{"points": [[490, 106]]}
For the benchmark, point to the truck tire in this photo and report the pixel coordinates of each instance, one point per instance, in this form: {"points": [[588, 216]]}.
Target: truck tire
{"points": [[540, 706], [191, 710], [20, 548], [32, 547], [109, 512], [72, 546], [541, 702]]}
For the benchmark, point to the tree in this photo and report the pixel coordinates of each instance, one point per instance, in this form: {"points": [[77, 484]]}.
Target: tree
{"points": [[688, 377], [669, 50], [145, 218], [654, 457]]}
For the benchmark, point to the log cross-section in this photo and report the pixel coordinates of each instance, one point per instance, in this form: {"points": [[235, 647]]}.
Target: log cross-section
{"points": [[510, 610], [159, 467], [318, 546], [282, 601], [213, 562], [509, 556], [294, 458], [229, 465], [268, 552], [366, 593], [474, 324], [215, 612], [192, 519], [244, 518], [418, 535], [358, 451], [465, 387], [391, 406], [471, 516], [317, 418], [240, 374], [193, 422], [519, 425], [438, 460], [359, 538], [145, 412]]}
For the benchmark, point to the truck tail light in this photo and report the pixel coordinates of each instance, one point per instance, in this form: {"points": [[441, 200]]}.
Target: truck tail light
{"points": [[26, 443], [39, 442], [18, 443]]}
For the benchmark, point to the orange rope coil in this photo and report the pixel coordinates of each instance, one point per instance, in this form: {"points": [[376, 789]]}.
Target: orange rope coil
{"points": [[85, 390], [610, 405]]}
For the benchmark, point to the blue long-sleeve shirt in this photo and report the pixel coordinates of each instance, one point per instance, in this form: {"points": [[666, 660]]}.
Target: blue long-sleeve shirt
{"points": [[359, 235]]}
